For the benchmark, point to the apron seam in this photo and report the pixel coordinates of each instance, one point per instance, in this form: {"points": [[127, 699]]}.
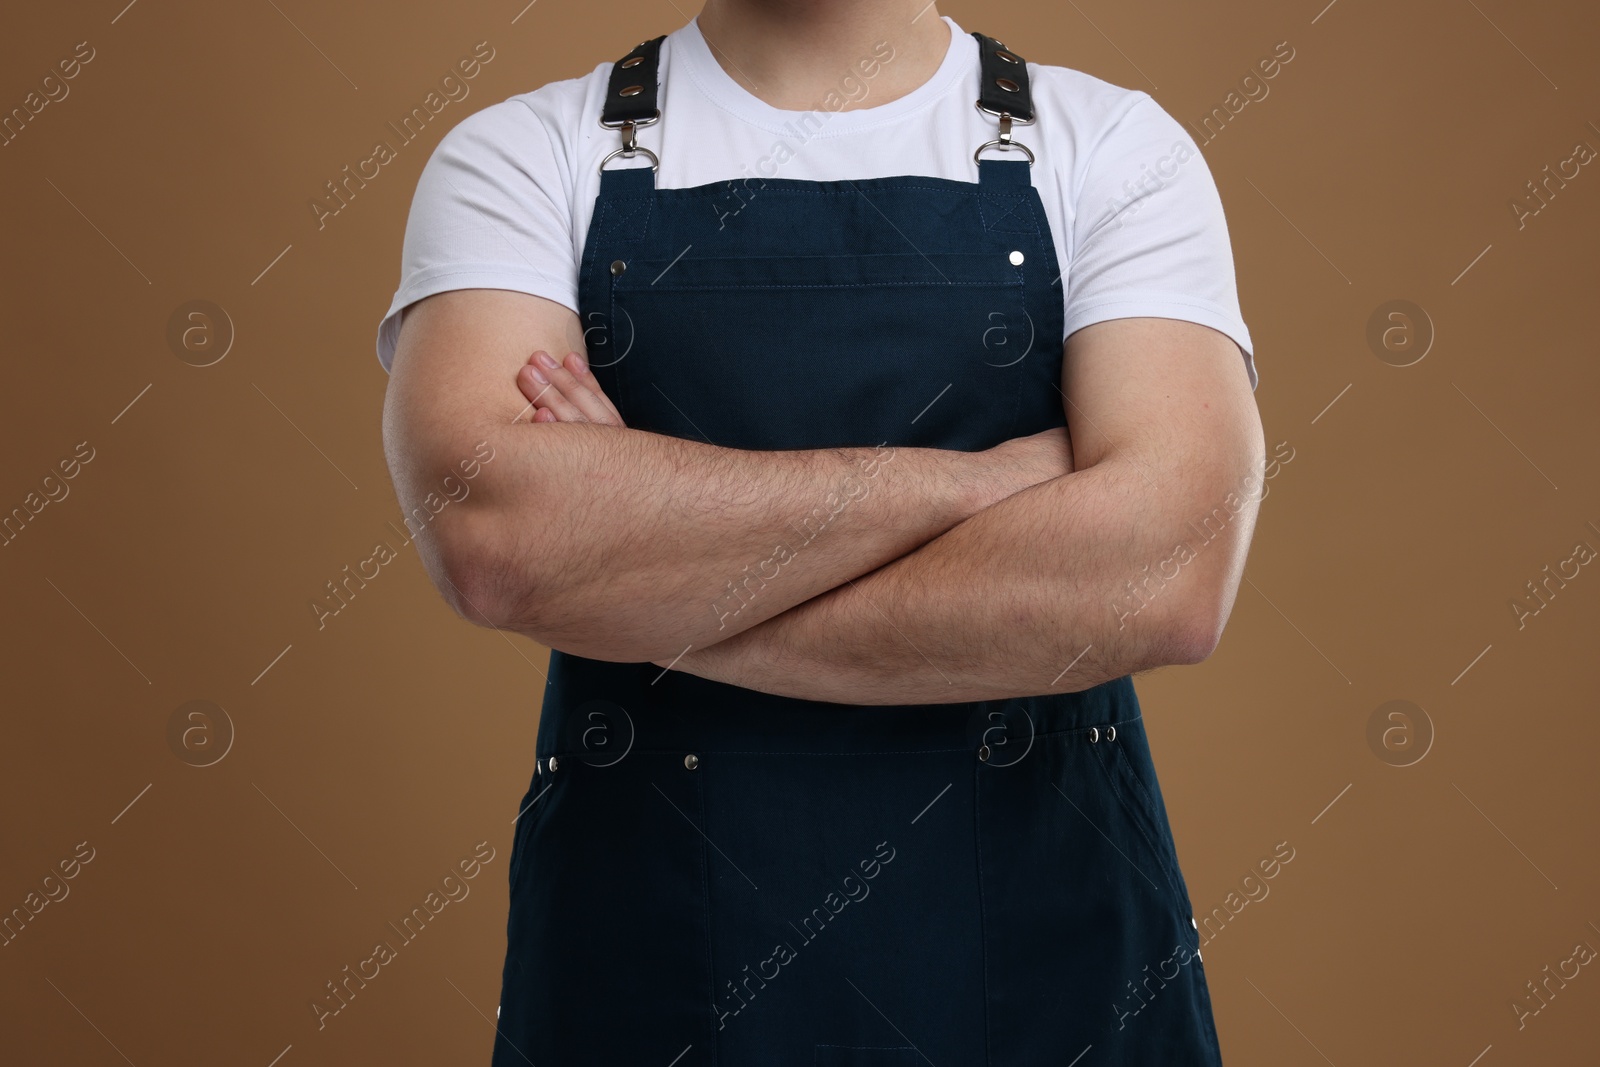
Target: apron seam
{"points": [[578, 752], [709, 189], [983, 907], [705, 890]]}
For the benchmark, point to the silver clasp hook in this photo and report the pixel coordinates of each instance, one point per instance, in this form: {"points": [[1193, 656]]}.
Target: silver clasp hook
{"points": [[630, 140], [1004, 142]]}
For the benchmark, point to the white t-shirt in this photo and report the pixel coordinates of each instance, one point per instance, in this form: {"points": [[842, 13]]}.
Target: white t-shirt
{"points": [[505, 199]]}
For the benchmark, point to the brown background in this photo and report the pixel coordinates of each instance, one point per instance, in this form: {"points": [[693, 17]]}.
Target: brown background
{"points": [[376, 752]]}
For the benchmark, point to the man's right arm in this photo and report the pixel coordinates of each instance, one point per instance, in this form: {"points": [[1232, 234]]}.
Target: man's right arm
{"points": [[624, 545]]}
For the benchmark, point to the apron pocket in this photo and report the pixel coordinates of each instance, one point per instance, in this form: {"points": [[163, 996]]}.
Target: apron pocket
{"points": [[931, 360], [607, 943], [534, 802], [1080, 911], [1141, 809]]}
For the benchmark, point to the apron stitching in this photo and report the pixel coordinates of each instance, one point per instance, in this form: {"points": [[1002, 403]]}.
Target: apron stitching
{"points": [[705, 890], [726, 286], [871, 752], [1137, 781], [983, 910], [624, 404], [1167, 856], [1016, 395], [712, 189], [1011, 202], [1128, 805], [776, 752]]}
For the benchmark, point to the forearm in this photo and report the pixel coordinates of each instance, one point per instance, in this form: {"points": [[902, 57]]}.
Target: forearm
{"points": [[625, 545], [1054, 589]]}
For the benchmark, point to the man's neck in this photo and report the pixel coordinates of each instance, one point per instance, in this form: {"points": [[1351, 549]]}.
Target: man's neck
{"points": [[792, 53]]}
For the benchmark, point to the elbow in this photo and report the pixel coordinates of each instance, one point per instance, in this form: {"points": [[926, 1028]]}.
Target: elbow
{"points": [[480, 566], [463, 558], [1196, 631]]}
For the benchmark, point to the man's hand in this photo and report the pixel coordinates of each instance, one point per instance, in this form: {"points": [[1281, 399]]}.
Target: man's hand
{"points": [[565, 391]]}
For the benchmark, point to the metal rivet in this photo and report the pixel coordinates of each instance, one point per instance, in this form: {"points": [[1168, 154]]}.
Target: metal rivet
{"points": [[1007, 56], [632, 61], [1008, 85], [1094, 734], [552, 764], [983, 753], [1016, 259], [538, 766], [617, 266], [630, 90], [1111, 733], [691, 761], [1193, 923]]}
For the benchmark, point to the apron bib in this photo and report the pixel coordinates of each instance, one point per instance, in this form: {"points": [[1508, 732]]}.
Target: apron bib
{"points": [[705, 874]]}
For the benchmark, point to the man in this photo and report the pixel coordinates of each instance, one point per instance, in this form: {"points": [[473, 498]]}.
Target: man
{"points": [[844, 564]]}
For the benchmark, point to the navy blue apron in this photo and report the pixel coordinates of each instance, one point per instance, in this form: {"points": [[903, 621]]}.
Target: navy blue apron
{"points": [[706, 874]]}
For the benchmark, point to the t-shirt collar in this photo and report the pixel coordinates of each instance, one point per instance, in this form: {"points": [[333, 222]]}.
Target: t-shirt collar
{"points": [[690, 54]]}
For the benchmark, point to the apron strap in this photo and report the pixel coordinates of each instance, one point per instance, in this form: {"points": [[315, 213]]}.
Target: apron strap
{"points": [[1003, 92], [631, 93], [631, 99], [1003, 86]]}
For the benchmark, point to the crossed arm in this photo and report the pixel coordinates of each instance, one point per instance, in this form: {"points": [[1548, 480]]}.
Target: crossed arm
{"points": [[1023, 570]]}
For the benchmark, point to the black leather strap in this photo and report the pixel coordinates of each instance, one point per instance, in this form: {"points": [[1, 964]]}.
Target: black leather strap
{"points": [[631, 93], [1003, 80]]}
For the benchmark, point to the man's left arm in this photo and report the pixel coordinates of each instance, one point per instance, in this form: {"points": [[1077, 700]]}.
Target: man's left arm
{"points": [[1128, 563]]}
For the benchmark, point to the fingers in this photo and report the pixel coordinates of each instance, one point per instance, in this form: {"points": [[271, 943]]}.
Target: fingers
{"points": [[567, 396], [579, 367]]}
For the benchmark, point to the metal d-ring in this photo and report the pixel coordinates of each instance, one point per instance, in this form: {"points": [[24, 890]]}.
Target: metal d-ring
{"points": [[1005, 145], [629, 153]]}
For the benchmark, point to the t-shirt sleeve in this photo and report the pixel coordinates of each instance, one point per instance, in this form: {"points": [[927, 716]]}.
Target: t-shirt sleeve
{"points": [[490, 211], [1150, 238]]}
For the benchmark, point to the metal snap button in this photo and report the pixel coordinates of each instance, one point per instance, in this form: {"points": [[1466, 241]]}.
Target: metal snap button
{"points": [[1007, 56], [1111, 733], [1094, 734], [538, 766], [1016, 259], [630, 90], [691, 761], [552, 764], [1193, 923], [617, 267], [1008, 85], [983, 753], [632, 61]]}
